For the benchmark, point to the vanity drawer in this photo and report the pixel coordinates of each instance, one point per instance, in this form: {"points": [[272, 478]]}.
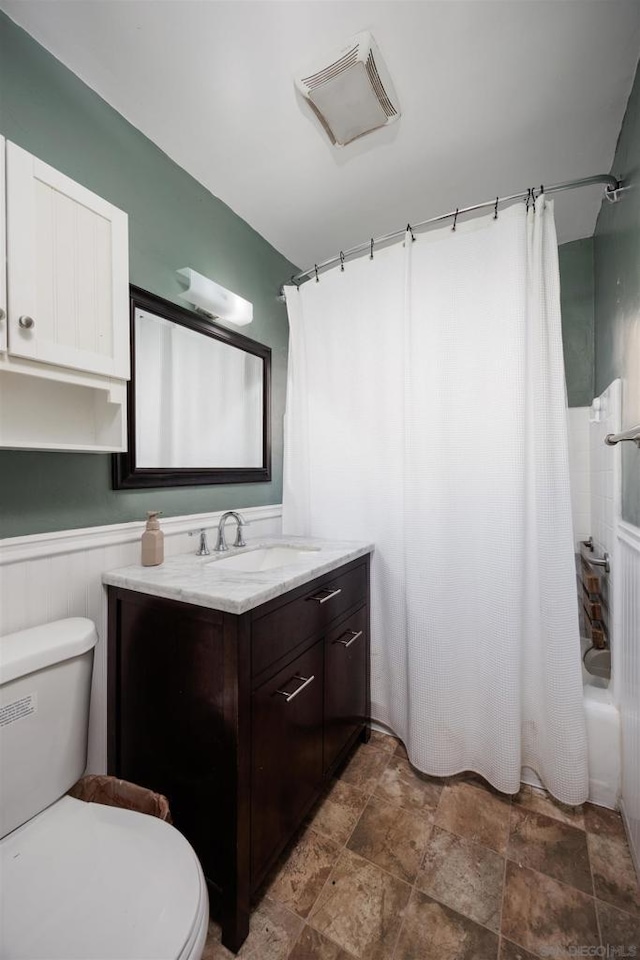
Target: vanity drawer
{"points": [[283, 629]]}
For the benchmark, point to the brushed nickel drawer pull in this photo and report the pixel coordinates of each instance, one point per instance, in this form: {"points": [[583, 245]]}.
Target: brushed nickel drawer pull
{"points": [[319, 599], [354, 636], [291, 696]]}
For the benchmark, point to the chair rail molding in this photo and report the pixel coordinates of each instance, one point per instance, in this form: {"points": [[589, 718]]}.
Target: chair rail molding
{"points": [[34, 545]]}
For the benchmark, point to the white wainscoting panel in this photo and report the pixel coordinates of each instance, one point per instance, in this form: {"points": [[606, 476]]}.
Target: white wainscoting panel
{"points": [[626, 668], [51, 576]]}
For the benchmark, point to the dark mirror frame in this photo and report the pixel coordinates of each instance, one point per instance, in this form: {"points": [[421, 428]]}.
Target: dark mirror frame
{"points": [[126, 475]]}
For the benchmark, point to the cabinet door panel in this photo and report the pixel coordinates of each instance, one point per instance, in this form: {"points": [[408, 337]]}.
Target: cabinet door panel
{"points": [[287, 754], [170, 732], [345, 683], [68, 270]]}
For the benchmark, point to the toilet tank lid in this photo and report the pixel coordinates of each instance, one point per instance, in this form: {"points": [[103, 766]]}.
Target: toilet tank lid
{"points": [[24, 652]]}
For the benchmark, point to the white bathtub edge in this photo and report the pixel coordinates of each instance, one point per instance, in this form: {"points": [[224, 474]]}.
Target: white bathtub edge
{"points": [[604, 745]]}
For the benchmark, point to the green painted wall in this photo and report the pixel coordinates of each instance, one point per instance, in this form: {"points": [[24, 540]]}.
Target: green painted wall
{"points": [[577, 299], [617, 296], [174, 222]]}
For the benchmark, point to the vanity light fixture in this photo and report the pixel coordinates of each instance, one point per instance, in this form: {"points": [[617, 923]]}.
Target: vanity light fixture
{"points": [[350, 91], [214, 300]]}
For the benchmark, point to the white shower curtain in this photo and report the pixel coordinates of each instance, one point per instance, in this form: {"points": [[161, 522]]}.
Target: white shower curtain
{"points": [[426, 411]]}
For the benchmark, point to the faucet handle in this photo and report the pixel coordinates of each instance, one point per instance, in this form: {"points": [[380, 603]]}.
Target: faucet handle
{"points": [[203, 548], [240, 541]]}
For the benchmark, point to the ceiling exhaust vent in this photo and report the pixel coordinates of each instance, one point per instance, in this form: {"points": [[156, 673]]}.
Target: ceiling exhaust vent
{"points": [[351, 92]]}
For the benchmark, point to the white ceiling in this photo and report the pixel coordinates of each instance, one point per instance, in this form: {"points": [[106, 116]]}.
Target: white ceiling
{"points": [[495, 97]]}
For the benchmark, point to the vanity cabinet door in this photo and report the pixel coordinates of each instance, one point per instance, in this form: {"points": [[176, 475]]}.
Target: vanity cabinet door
{"points": [[346, 682], [68, 271], [167, 674], [287, 755]]}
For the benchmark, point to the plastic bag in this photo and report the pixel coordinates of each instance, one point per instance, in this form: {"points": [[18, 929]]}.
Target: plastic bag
{"points": [[97, 788]]}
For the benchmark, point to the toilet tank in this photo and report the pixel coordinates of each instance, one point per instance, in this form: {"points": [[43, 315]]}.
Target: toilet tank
{"points": [[45, 683]]}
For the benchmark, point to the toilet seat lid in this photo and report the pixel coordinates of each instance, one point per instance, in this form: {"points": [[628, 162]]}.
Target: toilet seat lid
{"points": [[83, 881]]}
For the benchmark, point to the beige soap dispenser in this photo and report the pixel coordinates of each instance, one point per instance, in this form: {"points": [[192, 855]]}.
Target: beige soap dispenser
{"points": [[152, 541]]}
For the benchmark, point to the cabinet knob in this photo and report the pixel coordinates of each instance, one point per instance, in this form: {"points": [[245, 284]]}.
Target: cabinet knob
{"points": [[2, 314], [26, 322]]}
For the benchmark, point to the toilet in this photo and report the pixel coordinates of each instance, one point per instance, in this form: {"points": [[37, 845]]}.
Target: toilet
{"points": [[79, 881]]}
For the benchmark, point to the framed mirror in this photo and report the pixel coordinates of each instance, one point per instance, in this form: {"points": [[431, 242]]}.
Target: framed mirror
{"points": [[198, 401]]}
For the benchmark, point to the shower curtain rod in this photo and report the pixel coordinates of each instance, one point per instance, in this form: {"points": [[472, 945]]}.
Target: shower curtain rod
{"points": [[612, 186]]}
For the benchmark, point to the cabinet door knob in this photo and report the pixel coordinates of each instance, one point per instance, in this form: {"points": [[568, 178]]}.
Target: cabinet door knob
{"points": [[2, 314], [26, 322]]}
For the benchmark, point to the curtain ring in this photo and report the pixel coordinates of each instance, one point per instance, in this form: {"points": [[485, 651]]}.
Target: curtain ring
{"points": [[293, 281], [528, 200], [455, 219], [316, 269], [371, 253], [409, 230], [342, 261], [495, 211]]}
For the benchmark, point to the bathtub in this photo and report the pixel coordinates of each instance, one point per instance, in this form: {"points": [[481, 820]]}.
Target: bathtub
{"points": [[603, 742], [603, 736]]}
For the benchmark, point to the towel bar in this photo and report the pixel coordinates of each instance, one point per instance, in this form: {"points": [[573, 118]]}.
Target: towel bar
{"points": [[634, 435]]}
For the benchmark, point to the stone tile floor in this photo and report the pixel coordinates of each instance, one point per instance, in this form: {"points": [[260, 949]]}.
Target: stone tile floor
{"points": [[393, 865]]}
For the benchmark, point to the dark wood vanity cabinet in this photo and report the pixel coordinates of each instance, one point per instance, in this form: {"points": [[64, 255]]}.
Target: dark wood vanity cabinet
{"points": [[239, 720]]}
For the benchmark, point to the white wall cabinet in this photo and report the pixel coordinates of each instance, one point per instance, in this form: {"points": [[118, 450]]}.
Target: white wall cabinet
{"points": [[65, 337]]}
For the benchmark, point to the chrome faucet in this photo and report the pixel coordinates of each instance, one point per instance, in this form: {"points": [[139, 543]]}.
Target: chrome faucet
{"points": [[203, 549], [221, 543]]}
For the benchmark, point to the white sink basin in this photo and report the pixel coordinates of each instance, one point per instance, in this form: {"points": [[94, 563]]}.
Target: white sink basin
{"points": [[263, 558]]}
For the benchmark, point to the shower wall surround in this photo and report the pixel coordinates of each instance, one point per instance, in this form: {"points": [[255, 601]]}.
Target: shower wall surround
{"points": [[580, 473], [173, 220], [605, 471]]}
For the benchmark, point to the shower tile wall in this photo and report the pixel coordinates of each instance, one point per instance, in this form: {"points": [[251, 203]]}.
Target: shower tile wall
{"points": [[605, 470], [595, 470], [580, 471]]}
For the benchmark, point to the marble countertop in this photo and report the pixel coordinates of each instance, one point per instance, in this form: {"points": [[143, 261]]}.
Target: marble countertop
{"points": [[200, 581]]}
